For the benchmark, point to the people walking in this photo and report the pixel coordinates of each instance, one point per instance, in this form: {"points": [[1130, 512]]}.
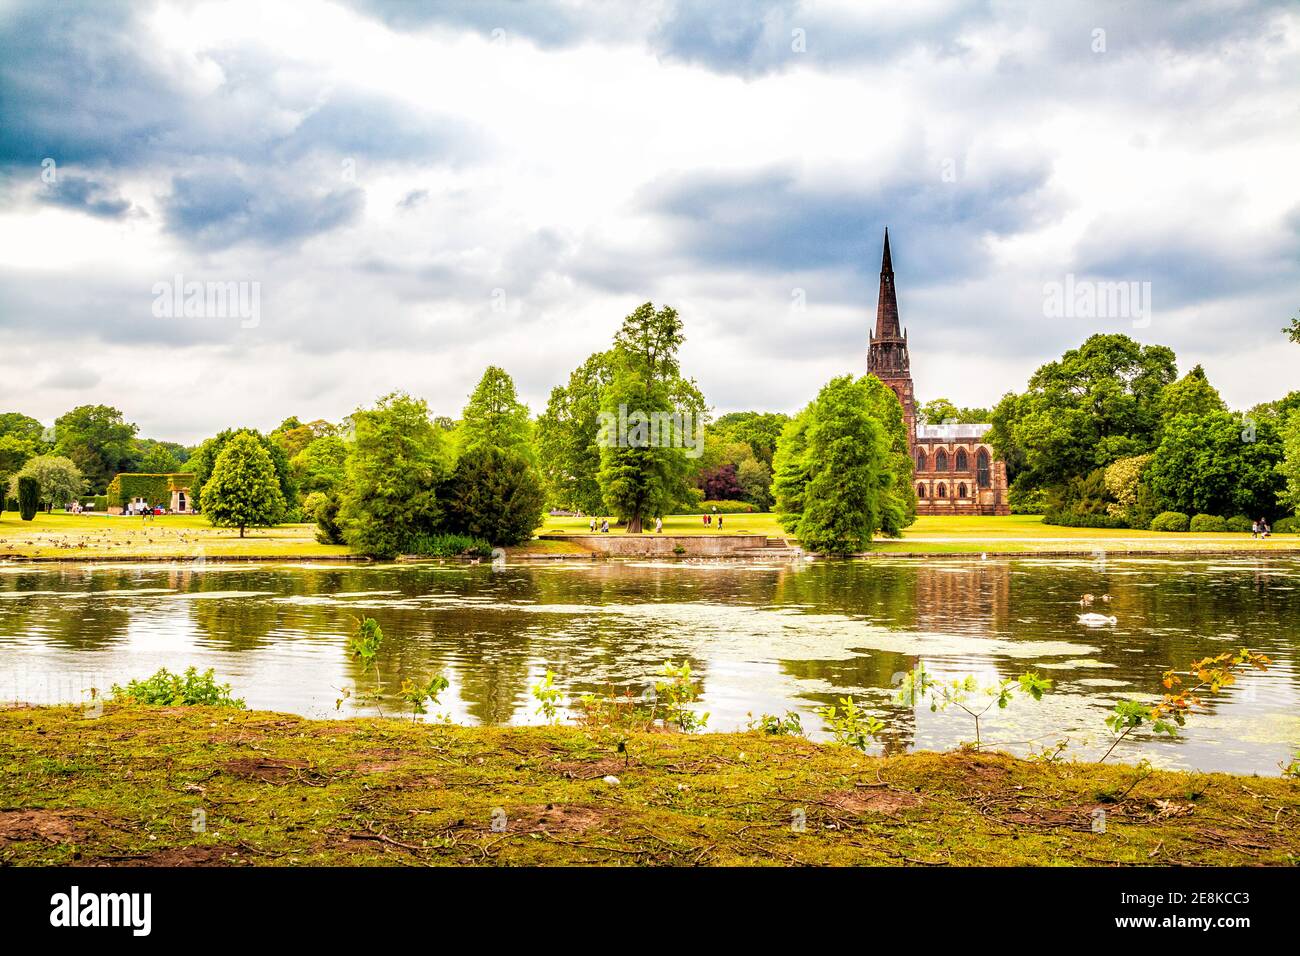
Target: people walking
{"points": [[659, 525], [719, 522], [604, 526], [1254, 528]]}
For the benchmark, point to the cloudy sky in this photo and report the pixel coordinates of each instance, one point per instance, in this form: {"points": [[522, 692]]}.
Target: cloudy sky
{"points": [[421, 191]]}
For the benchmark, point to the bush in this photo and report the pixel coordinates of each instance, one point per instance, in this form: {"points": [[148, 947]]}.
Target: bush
{"points": [[449, 546], [1202, 524], [1170, 521], [1238, 523], [724, 507], [1287, 525], [323, 508], [493, 495], [29, 497], [165, 689], [1074, 519]]}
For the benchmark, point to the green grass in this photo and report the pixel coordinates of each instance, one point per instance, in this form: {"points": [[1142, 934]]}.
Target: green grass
{"points": [[276, 789], [90, 537]]}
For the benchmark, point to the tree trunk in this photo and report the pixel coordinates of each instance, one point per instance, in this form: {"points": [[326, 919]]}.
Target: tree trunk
{"points": [[634, 524], [241, 530]]}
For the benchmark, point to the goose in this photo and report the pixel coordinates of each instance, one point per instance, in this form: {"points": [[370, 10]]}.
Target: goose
{"points": [[1097, 620]]}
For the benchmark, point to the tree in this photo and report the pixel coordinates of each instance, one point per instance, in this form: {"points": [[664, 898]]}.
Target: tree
{"points": [[495, 418], [834, 470], [1190, 395], [494, 494], [243, 490], [759, 430], [898, 500], [940, 411], [755, 479], [1123, 480], [1292, 331], [399, 458], [58, 480], [1212, 464], [321, 466], [292, 436], [204, 460], [158, 459], [99, 441], [567, 453], [1289, 466], [721, 483], [1098, 403], [29, 497]]}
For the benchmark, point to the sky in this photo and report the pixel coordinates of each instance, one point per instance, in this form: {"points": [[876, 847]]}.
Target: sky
{"points": [[415, 192]]}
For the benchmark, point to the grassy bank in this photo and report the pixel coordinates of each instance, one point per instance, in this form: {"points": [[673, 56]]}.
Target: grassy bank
{"points": [[92, 537], [124, 788]]}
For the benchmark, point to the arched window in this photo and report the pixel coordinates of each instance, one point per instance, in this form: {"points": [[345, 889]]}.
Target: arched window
{"points": [[961, 490], [920, 491], [943, 492], [982, 468], [962, 462], [920, 459], [940, 460]]}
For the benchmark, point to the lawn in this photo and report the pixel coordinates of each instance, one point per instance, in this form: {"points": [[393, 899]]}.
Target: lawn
{"points": [[186, 785], [89, 537]]}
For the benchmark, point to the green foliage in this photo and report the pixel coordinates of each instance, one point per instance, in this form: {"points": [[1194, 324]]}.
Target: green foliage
{"points": [[1170, 521], [399, 458], [940, 411], [1237, 523], [323, 508], [833, 477], [243, 490], [760, 431], [495, 495], [967, 695], [1288, 468], [204, 459], [1190, 395], [364, 643], [29, 497], [850, 725], [165, 689], [57, 478], [791, 725], [548, 697], [158, 458], [320, 467], [1206, 524], [99, 442], [154, 489], [1292, 331], [1287, 525], [445, 545], [418, 695], [567, 452], [495, 419], [676, 691], [1216, 463], [722, 508]]}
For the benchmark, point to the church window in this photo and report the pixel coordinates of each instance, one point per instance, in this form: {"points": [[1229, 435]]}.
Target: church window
{"points": [[941, 460], [920, 459], [943, 492], [920, 491], [982, 468], [962, 462], [961, 490]]}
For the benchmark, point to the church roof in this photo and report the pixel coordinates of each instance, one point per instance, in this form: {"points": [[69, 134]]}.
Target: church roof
{"points": [[887, 302], [949, 432]]}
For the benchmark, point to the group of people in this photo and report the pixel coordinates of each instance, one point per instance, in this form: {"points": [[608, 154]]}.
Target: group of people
{"points": [[1260, 529], [708, 520], [604, 525]]}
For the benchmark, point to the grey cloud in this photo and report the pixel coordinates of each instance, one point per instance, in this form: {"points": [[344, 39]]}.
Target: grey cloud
{"points": [[85, 195]]}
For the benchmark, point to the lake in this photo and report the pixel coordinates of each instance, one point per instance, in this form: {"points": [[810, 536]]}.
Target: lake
{"points": [[762, 638]]}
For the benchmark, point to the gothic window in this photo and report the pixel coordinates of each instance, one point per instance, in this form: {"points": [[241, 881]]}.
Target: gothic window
{"points": [[940, 460], [920, 459], [943, 492], [920, 491], [961, 490], [962, 463], [982, 468]]}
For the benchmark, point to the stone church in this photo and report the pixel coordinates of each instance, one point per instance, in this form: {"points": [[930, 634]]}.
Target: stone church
{"points": [[956, 471]]}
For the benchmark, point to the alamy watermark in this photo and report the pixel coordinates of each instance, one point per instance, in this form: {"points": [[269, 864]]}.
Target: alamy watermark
{"points": [[1089, 299], [636, 429], [178, 299]]}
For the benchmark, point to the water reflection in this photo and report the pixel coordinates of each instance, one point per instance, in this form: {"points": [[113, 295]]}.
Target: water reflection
{"points": [[762, 638]]}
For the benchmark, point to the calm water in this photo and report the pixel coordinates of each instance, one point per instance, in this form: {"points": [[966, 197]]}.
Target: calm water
{"points": [[762, 638]]}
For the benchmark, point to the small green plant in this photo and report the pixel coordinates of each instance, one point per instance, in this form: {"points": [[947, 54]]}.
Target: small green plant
{"points": [[967, 695], [788, 726], [450, 546], [612, 710], [165, 689], [548, 697], [416, 694], [1208, 675], [363, 645], [850, 725], [1292, 769], [677, 691]]}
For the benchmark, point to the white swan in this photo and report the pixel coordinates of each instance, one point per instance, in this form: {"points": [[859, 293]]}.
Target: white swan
{"points": [[1097, 620]]}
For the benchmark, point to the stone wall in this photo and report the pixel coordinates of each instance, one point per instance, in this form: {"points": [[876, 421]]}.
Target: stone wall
{"points": [[617, 544]]}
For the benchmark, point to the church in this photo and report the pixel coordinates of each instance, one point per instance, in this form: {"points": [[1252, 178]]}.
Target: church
{"points": [[956, 471]]}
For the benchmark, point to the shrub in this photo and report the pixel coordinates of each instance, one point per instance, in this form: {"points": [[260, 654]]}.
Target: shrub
{"points": [[165, 689], [1202, 524], [323, 508], [1287, 525], [1074, 519], [493, 495], [449, 546], [724, 507], [1170, 521], [1237, 523], [29, 497]]}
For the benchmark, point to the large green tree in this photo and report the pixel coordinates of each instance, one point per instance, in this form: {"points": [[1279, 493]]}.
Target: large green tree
{"points": [[205, 458], [1216, 463], [494, 494], [495, 418], [321, 466], [243, 490], [834, 470], [567, 452], [59, 480], [1096, 404], [399, 459], [98, 441]]}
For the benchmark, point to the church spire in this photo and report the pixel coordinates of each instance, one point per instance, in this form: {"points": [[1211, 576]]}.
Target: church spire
{"points": [[887, 302]]}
